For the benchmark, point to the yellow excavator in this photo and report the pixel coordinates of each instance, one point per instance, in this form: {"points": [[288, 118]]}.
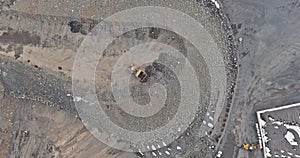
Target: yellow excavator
{"points": [[139, 73], [250, 147]]}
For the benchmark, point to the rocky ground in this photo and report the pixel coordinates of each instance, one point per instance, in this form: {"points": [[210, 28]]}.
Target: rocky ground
{"points": [[38, 43]]}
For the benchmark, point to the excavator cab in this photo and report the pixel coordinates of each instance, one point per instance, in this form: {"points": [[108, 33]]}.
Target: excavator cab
{"points": [[142, 75], [250, 147], [139, 73], [254, 147]]}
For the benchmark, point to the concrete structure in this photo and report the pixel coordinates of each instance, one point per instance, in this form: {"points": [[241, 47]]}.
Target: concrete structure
{"points": [[279, 129]]}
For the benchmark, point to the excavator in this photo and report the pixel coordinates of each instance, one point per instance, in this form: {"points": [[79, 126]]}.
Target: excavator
{"points": [[250, 147], [139, 73]]}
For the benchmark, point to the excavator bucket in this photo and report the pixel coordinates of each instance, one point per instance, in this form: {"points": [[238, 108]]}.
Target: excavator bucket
{"points": [[245, 146], [131, 67]]}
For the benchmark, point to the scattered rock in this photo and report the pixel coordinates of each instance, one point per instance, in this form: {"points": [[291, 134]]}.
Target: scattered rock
{"points": [[75, 26]]}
